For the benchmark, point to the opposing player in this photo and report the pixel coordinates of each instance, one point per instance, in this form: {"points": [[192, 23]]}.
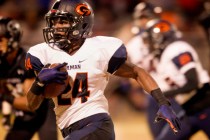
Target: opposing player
{"points": [[15, 82], [82, 110], [177, 67]]}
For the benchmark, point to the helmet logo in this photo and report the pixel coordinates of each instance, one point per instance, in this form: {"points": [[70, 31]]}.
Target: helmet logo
{"points": [[163, 27], [82, 9], [53, 10]]}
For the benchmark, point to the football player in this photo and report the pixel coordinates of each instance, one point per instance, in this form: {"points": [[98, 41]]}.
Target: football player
{"points": [[15, 82], [177, 67], [138, 54], [82, 110]]}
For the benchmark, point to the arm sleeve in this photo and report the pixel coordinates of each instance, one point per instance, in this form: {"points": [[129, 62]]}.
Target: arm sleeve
{"points": [[33, 63], [118, 58], [192, 83]]}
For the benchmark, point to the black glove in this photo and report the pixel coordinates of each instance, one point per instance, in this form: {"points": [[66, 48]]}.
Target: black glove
{"points": [[166, 113], [48, 75]]}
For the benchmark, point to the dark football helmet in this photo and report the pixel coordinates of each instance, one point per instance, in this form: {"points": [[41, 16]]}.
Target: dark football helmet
{"points": [[158, 34], [145, 9], [78, 14], [11, 30], [142, 12]]}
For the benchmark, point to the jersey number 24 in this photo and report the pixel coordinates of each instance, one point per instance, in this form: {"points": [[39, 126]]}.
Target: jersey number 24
{"points": [[79, 90]]}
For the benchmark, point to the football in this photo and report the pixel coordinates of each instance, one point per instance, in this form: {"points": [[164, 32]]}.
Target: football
{"points": [[54, 89]]}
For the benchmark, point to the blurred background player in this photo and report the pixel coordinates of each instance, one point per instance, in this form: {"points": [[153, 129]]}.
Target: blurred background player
{"points": [[177, 68], [14, 83], [140, 54], [136, 52]]}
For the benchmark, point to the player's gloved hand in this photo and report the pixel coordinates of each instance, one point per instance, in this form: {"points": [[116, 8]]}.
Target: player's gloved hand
{"points": [[48, 75], [166, 113]]}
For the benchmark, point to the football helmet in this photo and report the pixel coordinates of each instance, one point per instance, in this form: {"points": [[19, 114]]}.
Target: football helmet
{"points": [[11, 30], [143, 12], [158, 34], [145, 9], [78, 14]]}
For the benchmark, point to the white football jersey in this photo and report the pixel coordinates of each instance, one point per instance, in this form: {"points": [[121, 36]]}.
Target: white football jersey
{"points": [[90, 68], [176, 59], [137, 51]]}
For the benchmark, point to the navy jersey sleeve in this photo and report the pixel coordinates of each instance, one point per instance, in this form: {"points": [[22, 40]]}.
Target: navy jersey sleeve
{"points": [[33, 63], [118, 58]]}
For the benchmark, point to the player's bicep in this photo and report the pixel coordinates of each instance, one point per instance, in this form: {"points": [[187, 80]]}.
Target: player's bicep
{"points": [[126, 70]]}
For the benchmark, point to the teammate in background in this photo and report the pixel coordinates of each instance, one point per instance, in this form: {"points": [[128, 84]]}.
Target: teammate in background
{"points": [[82, 110], [137, 51], [138, 54], [15, 82], [176, 66], [143, 12]]}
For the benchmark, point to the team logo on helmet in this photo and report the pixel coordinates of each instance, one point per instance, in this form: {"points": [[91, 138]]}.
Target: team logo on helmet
{"points": [[162, 26], [83, 9], [53, 10]]}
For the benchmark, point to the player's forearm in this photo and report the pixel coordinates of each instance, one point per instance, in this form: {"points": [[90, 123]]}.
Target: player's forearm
{"points": [[145, 80], [34, 96], [129, 70], [34, 101], [21, 103], [150, 85]]}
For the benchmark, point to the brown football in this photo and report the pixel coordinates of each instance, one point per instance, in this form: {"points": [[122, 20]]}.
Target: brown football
{"points": [[54, 89]]}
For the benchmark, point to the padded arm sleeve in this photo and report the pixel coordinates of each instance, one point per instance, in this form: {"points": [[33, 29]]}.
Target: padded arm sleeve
{"points": [[33, 63], [192, 83]]}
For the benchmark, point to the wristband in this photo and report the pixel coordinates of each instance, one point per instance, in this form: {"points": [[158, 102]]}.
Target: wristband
{"points": [[39, 83], [37, 88], [159, 97]]}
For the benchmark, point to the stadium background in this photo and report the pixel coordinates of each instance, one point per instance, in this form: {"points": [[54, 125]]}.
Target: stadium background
{"points": [[114, 18]]}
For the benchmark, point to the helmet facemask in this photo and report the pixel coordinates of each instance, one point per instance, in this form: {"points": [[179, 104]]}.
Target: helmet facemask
{"points": [[70, 37], [59, 36], [159, 34]]}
